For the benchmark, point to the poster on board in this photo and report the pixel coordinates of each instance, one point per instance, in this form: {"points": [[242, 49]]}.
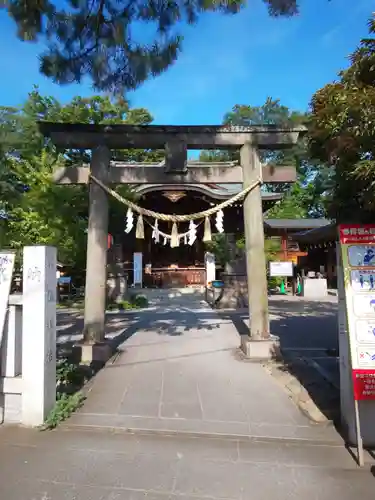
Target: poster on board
{"points": [[365, 331], [361, 255], [6, 274], [362, 280], [358, 263]]}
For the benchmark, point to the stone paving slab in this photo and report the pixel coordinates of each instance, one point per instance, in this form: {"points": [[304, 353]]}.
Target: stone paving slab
{"points": [[87, 465]]}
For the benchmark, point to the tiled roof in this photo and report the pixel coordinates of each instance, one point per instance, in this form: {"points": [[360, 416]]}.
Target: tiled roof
{"points": [[217, 191], [298, 224]]}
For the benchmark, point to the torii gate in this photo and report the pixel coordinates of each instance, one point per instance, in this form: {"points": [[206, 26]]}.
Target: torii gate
{"points": [[175, 140]]}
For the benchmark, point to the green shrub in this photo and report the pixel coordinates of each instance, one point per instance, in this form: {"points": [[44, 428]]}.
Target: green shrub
{"points": [[139, 301], [136, 301], [274, 281], [69, 376]]}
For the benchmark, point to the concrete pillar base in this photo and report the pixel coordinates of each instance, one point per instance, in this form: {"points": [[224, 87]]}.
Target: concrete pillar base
{"points": [[261, 350], [95, 353]]}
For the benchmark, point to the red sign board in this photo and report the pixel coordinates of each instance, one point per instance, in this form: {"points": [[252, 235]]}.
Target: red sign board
{"points": [[357, 233], [364, 384]]}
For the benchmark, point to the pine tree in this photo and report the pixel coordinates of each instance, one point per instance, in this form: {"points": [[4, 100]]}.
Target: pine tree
{"points": [[96, 38]]}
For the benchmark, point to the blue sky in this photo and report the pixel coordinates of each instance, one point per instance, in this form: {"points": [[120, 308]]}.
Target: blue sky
{"points": [[227, 60]]}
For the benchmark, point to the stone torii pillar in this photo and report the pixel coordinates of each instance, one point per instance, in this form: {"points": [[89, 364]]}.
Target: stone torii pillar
{"points": [[96, 264], [259, 344]]}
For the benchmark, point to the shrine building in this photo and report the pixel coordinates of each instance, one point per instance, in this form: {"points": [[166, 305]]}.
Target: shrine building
{"points": [[165, 266]]}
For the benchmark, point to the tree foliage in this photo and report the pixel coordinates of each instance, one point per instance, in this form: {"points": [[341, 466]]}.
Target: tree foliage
{"points": [[97, 38], [342, 132], [45, 214], [35, 210], [302, 199]]}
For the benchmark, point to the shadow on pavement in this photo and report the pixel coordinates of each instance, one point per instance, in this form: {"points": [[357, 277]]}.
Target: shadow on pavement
{"points": [[307, 331], [309, 347]]}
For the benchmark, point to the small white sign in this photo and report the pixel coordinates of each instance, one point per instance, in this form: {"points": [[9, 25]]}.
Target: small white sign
{"points": [[282, 269], [6, 273], [137, 268]]}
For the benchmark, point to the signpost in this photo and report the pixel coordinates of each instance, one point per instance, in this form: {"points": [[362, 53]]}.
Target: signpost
{"points": [[39, 333], [356, 266], [281, 269]]}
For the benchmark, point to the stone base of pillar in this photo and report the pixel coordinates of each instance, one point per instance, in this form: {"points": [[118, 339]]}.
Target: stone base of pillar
{"points": [[95, 353], [261, 350]]}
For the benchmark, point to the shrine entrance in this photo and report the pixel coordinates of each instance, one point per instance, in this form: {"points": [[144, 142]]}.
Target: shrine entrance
{"points": [[175, 140], [166, 266], [183, 266]]}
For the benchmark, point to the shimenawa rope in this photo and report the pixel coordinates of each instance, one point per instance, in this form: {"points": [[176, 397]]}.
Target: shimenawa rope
{"points": [[176, 218]]}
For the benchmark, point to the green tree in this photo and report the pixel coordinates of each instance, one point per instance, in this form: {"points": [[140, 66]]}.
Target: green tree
{"points": [[342, 133], [34, 210], [302, 199], [44, 213], [19, 126], [95, 38]]}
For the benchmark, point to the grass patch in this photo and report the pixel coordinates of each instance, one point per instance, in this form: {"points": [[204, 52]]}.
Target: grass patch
{"points": [[66, 404], [70, 378]]}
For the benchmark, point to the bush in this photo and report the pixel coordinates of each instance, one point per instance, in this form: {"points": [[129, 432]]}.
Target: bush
{"points": [[135, 302], [139, 301], [274, 282]]}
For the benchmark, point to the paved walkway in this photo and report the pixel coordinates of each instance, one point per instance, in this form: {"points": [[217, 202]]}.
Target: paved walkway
{"points": [[95, 465], [180, 370]]}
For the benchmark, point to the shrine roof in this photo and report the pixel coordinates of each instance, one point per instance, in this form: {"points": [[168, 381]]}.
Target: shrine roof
{"points": [[216, 191], [327, 233], [299, 224]]}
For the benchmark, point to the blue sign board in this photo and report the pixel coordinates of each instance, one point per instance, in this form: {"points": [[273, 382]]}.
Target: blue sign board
{"points": [[64, 280]]}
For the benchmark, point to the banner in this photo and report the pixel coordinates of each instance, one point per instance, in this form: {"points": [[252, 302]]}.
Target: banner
{"points": [[137, 268]]}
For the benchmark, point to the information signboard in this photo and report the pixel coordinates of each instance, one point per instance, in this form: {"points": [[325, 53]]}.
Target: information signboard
{"points": [[357, 344], [358, 259], [281, 269]]}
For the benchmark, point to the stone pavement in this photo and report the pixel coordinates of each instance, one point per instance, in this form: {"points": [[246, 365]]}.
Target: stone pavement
{"points": [[95, 465], [178, 376], [180, 371]]}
